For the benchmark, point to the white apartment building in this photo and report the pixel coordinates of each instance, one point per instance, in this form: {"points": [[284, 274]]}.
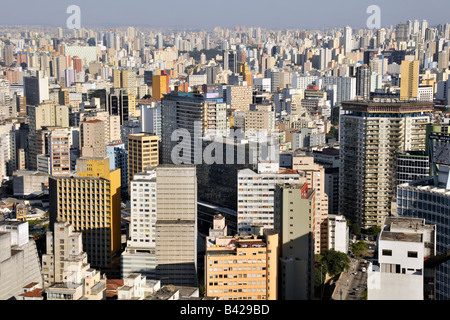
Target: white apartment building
{"points": [[338, 233], [256, 194], [137, 287], [139, 255], [425, 93], [398, 274]]}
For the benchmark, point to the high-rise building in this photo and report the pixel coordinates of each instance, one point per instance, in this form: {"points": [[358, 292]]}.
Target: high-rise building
{"points": [[429, 199], [329, 159], [348, 39], [256, 194], [8, 54], [192, 115], [143, 151], [401, 32], [59, 152], [176, 225], [150, 118], [119, 102], [43, 118], [230, 61], [48, 114], [370, 133], [90, 201], [363, 76], [160, 86], [139, 255], [314, 174], [66, 272], [411, 166], [125, 79], [242, 267], [239, 97], [118, 159], [409, 84], [77, 64], [35, 90], [92, 138], [294, 218]]}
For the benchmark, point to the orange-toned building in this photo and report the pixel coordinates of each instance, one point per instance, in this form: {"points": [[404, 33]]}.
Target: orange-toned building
{"points": [[242, 267], [160, 86]]}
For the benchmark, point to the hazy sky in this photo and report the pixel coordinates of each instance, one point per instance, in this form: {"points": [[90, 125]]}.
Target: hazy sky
{"points": [[279, 14]]}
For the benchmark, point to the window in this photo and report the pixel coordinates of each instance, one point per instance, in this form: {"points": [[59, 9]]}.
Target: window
{"points": [[412, 254], [387, 252]]}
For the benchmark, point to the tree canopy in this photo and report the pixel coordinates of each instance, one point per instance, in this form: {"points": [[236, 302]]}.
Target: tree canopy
{"points": [[359, 248], [332, 262]]}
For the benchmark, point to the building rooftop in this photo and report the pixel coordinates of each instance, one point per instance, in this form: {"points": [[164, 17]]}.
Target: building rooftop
{"points": [[400, 236], [36, 293], [387, 105], [404, 229]]}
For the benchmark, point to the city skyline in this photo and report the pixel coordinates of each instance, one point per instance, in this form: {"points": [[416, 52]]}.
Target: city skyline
{"points": [[179, 14]]}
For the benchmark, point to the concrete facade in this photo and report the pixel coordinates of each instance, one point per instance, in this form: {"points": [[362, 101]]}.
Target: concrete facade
{"points": [[19, 260]]}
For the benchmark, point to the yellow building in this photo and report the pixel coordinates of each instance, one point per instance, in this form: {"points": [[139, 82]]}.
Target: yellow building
{"points": [[242, 267], [409, 80], [160, 86], [91, 201], [143, 151], [126, 79]]}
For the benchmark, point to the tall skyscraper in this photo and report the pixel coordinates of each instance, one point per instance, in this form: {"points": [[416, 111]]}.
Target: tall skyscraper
{"points": [[176, 225], [193, 115], [314, 174], [59, 152], [118, 159], [143, 151], [119, 102], [230, 61], [348, 39], [150, 118], [429, 199], [409, 84], [294, 218], [371, 131], [8, 54], [401, 32], [35, 90], [139, 255], [160, 86], [90, 201], [363, 76], [256, 194], [92, 138]]}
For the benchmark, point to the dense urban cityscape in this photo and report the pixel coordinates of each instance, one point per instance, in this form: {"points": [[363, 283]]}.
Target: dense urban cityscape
{"points": [[236, 164]]}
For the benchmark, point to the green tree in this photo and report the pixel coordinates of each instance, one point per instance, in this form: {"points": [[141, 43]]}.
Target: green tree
{"points": [[354, 227], [335, 261], [320, 271], [374, 230], [332, 133], [359, 248]]}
